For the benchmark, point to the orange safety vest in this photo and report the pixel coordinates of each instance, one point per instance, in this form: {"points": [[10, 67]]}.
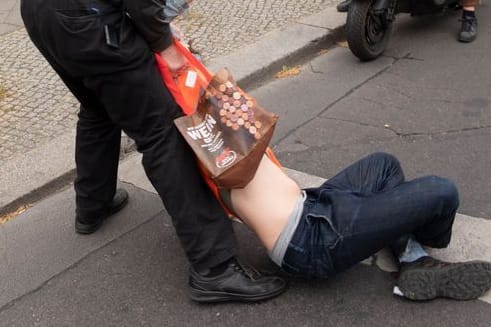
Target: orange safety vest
{"points": [[185, 86]]}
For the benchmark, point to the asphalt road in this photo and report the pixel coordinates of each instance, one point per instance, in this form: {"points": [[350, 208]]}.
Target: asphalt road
{"points": [[427, 100]]}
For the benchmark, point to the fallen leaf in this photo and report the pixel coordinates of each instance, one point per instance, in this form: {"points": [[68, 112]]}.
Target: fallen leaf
{"points": [[288, 71], [11, 215]]}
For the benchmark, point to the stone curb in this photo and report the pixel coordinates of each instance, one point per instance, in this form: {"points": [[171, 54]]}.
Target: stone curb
{"points": [[28, 177]]}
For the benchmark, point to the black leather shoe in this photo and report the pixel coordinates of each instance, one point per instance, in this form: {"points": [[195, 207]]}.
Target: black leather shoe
{"points": [[88, 225], [343, 6], [236, 283]]}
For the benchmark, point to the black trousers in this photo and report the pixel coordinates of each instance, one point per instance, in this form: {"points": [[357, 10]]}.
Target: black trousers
{"points": [[120, 88]]}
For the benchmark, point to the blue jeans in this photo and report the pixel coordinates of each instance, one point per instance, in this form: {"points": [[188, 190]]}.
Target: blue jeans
{"points": [[364, 208]]}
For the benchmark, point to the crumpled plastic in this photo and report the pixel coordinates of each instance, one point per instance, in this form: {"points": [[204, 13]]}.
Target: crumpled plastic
{"points": [[174, 8]]}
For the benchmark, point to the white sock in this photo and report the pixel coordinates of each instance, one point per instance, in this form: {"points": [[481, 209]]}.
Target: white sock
{"points": [[413, 251]]}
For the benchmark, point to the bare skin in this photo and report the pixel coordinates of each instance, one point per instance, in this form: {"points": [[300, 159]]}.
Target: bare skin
{"points": [[266, 203]]}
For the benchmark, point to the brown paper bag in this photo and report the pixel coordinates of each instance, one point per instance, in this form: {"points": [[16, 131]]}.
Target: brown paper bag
{"points": [[229, 132]]}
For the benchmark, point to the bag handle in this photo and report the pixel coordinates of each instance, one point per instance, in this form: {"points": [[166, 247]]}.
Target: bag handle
{"points": [[186, 98], [193, 61]]}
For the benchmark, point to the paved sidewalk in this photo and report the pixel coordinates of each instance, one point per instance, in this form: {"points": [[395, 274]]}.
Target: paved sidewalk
{"points": [[38, 114], [133, 273]]}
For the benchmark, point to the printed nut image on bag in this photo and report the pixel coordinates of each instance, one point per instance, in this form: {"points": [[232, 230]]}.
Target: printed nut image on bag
{"points": [[229, 132]]}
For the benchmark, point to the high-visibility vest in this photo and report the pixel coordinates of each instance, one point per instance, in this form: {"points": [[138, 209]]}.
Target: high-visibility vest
{"points": [[185, 86]]}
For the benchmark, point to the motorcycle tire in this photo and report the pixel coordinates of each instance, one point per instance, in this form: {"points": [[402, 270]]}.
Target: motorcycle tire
{"points": [[366, 35]]}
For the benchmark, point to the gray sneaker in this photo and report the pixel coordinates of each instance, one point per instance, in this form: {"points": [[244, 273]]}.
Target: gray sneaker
{"points": [[429, 278], [468, 31]]}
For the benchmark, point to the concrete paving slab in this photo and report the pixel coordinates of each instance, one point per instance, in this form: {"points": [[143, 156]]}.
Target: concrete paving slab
{"points": [[328, 18], [140, 279], [399, 99], [131, 171], [24, 173], [271, 52], [327, 84], [7, 28], [41, 242], [10, 19], [14, 18], [453, 156], [8, 5], [471, 239]]}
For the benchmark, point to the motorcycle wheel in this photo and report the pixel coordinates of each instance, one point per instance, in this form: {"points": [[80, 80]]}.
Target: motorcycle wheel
{"points": [[365, 32]]}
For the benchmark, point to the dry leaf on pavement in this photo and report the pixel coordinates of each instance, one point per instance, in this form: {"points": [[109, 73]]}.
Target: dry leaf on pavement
{"points": [[288, 71], [11, 215]]}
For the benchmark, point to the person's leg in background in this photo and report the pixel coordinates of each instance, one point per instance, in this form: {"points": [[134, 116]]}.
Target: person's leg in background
{"points": [[343, 6], [468, 30]]}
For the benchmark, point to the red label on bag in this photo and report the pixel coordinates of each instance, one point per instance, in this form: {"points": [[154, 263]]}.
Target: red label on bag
{"points": [[226, 158]]}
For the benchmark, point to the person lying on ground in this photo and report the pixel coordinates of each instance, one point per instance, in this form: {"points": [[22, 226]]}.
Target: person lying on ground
{"points": [[319, 232]]}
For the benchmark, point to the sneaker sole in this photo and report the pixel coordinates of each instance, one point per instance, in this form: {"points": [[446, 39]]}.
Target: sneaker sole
{"points": [[213, 297], [466, 40], [459, 281]]}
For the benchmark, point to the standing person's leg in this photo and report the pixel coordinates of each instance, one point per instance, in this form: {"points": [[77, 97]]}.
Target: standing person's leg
{"points": [[97, 157], [130, 93], [468, 30], [97, 139], [139, 103]]}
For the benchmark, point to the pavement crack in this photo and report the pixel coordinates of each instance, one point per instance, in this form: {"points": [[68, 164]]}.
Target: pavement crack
{"points": [[409, 57], [315, 26], [332, 104], [450, 131], [364, 124], [313, 70], [381, 104]]}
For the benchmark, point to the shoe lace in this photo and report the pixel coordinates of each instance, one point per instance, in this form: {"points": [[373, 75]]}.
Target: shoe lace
{"points": [[247, 270], [468, 23]]}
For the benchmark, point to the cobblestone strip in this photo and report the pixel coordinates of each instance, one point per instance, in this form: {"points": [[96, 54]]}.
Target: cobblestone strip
{"points": [[35, 106]]}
